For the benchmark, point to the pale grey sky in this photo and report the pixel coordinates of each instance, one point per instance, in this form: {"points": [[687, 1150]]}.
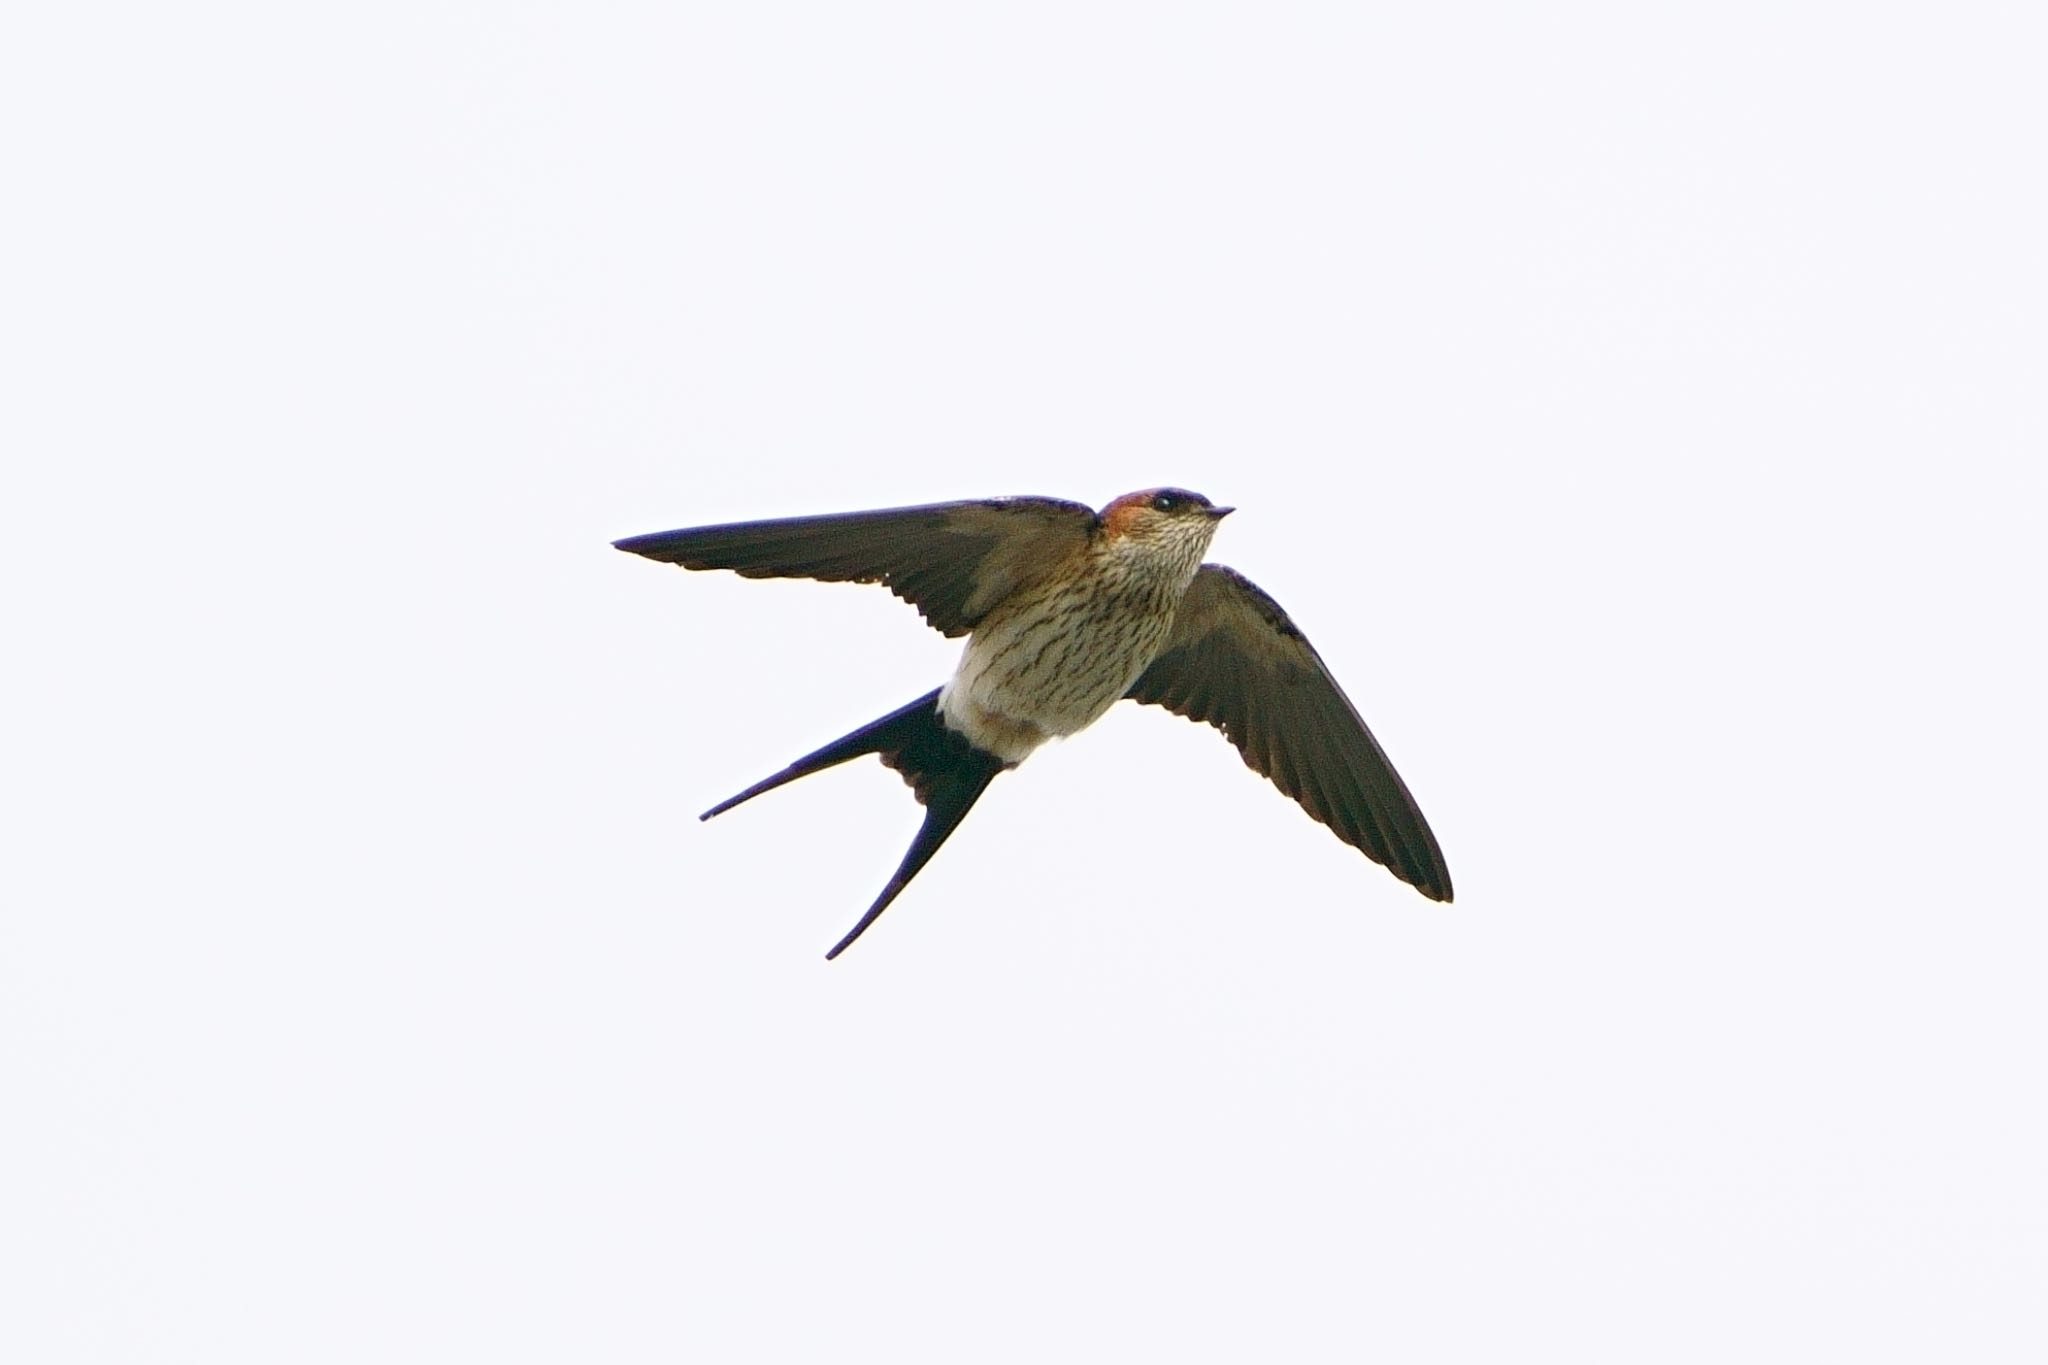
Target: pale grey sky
{"points": [[1640, 409]]}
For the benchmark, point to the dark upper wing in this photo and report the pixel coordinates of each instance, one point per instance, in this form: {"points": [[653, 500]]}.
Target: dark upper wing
{"points": [[951, 560], [1235, 661]]}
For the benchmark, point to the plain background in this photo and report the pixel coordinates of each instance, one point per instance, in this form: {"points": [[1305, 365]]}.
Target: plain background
{"points": [[1641, 408]]}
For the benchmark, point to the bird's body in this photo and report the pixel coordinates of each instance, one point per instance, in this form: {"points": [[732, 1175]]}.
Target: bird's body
{"points": [[1056, 655], [1068, 611]]}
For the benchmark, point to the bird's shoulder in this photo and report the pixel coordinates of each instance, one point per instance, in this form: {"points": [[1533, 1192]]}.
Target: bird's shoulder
{"points": [[1222, 599]]}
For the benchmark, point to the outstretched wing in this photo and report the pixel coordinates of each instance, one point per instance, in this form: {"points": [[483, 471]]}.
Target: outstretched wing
{"points": [[953, 561], [1236, 661]]}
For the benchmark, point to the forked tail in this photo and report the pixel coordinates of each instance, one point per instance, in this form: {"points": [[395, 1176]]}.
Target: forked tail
{"points": [[947, 773]]}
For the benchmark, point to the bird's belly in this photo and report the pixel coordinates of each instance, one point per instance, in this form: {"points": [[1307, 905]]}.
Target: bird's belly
{"points": [[1052, 665]]}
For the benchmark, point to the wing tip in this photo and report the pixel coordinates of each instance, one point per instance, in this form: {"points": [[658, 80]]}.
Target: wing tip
{"points": [[647, 545]]}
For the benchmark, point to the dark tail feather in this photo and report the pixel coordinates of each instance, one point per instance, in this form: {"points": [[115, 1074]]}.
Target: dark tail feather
{"points": [[889, 733], [951, 797], [947, 772]]}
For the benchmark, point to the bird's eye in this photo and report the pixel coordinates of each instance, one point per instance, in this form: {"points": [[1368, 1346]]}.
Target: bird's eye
{"points": [[1165, 502]]}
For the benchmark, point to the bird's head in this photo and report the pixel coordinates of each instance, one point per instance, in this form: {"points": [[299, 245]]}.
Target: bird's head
{"points": [[1168, 518]]}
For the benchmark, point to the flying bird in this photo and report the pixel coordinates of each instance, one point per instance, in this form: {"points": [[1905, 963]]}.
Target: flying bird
{"points": [[1067, 611]]}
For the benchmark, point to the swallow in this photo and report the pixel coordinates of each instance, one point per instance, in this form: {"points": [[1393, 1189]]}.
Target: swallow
{"points": [[1068, 611]]}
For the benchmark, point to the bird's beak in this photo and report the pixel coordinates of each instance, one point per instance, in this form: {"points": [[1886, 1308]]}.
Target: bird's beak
{"points": [[1219, 513]]}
